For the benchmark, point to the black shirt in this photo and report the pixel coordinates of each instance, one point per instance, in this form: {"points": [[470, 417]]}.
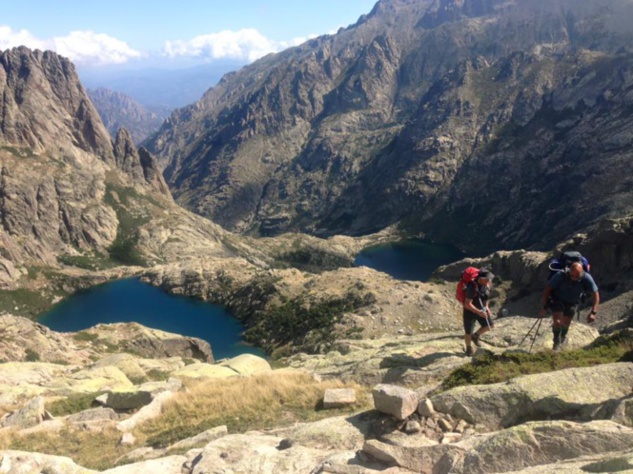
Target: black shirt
{"points": [[478, 293]]}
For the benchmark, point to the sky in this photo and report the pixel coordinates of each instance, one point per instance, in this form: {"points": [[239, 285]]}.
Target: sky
{"points": [[128, 33]]}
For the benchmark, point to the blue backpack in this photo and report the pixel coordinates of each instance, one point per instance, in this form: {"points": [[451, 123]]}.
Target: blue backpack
{"points": [[564, 261]]}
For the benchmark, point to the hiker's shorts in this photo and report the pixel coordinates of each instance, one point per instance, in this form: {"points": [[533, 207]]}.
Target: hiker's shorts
{"points": [[568, 309], [469, 321]]}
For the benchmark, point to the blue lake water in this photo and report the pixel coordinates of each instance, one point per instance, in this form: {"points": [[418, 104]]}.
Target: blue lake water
{"points": [[408, 259], [131, 300]]}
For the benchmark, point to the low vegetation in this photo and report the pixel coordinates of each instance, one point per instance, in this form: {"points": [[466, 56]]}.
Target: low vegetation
{"points": [[124, 201], [72, 404], [242, 404], [275, 399], [86, 448], [304, 324], [492, 368], [23, 302], [87, 261]]}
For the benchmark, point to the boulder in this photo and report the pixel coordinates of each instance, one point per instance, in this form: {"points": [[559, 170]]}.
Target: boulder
{"points": [[166, 465], [93, 414], [206, 371], [247, 364], [623, 412], [25, 462], [425, 408], [339, 397], [509, 333], [201, 439], [30, 415], [20, 380], [515, 448], [341, 432], [46, 426], [610, 462], [152, 410], [255, 454], [571, 393], [137, 397], [396, 401], [127, 363], [128, 399], [419, 455], [92, 379], [544, 442], [127, 439]]}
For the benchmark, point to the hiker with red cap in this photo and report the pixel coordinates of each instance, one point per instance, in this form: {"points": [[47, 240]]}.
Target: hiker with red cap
{"points": [[475, 303]]}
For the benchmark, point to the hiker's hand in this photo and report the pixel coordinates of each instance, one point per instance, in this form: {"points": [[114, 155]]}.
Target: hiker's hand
{"points": [[591, 318]]}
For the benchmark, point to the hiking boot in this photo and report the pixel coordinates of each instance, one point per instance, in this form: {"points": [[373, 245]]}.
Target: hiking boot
{"points": [[475, 338], [557, 345], [469, 351]]}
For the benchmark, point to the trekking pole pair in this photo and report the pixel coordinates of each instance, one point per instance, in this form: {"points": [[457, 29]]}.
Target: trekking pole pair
{"points": [[537, 325]]}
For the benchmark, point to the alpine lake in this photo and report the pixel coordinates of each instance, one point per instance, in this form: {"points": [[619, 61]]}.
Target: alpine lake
{"points": [[408, 259], [131, 300]]}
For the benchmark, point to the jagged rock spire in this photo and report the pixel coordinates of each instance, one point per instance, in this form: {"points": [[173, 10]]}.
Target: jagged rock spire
{"points": [[138, 164], [43, 103]]}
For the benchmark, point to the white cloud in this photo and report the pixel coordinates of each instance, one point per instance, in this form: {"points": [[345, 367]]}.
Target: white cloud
{"points": [[88, 47], [81, 47], [247, 44], [10, 38]]}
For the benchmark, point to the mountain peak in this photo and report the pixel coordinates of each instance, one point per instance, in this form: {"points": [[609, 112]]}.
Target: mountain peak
{"points": [[44, 102]]}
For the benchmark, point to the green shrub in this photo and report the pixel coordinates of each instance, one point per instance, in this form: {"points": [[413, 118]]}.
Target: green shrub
{"points": [[85, 336], [73, 404], [124, 250], [31, 355], [491, 368], [23, 302], [303, 323]]}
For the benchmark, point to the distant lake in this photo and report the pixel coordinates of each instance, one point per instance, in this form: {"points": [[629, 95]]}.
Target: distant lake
{"points": [[131, 300], [408, 259]]}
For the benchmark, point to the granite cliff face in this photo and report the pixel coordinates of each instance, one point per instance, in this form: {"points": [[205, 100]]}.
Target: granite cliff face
{"points": [[68, 193], [416, 115], [119, 110]]}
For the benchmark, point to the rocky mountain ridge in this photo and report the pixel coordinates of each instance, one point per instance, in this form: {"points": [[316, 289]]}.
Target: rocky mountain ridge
{"points": [[411, 115], [119, 110], [68, 192]]}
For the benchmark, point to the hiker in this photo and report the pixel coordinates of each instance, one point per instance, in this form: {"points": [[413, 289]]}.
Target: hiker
{"points": [[476, 309], [562, 295]]}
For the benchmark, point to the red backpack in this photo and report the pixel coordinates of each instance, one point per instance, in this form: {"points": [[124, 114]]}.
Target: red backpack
{"points": [[468, 275]]}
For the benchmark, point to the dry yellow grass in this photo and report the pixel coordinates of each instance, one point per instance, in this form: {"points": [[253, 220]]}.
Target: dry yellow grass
{"points": [[275, 399], [88, 449], [259, 402]]}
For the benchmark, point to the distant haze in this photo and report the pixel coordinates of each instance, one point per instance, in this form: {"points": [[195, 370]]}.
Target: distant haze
{"points": [[158, 89]]}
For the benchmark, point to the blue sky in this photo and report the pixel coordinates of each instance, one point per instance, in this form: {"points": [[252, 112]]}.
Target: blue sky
{"points": [[117, 32]]}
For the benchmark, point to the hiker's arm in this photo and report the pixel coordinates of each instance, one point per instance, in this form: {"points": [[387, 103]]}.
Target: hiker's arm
{"points": [[544, 300], [594, 307], [468, 304]]}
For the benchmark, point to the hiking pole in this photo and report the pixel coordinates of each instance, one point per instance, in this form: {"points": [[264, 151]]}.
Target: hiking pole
{"points": [[488, 315], [535, 334], [529, 332]]}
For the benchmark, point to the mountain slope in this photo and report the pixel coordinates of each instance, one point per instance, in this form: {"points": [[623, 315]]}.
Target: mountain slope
{"points": [[380, 123], [68, 193], [119, 110]]}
